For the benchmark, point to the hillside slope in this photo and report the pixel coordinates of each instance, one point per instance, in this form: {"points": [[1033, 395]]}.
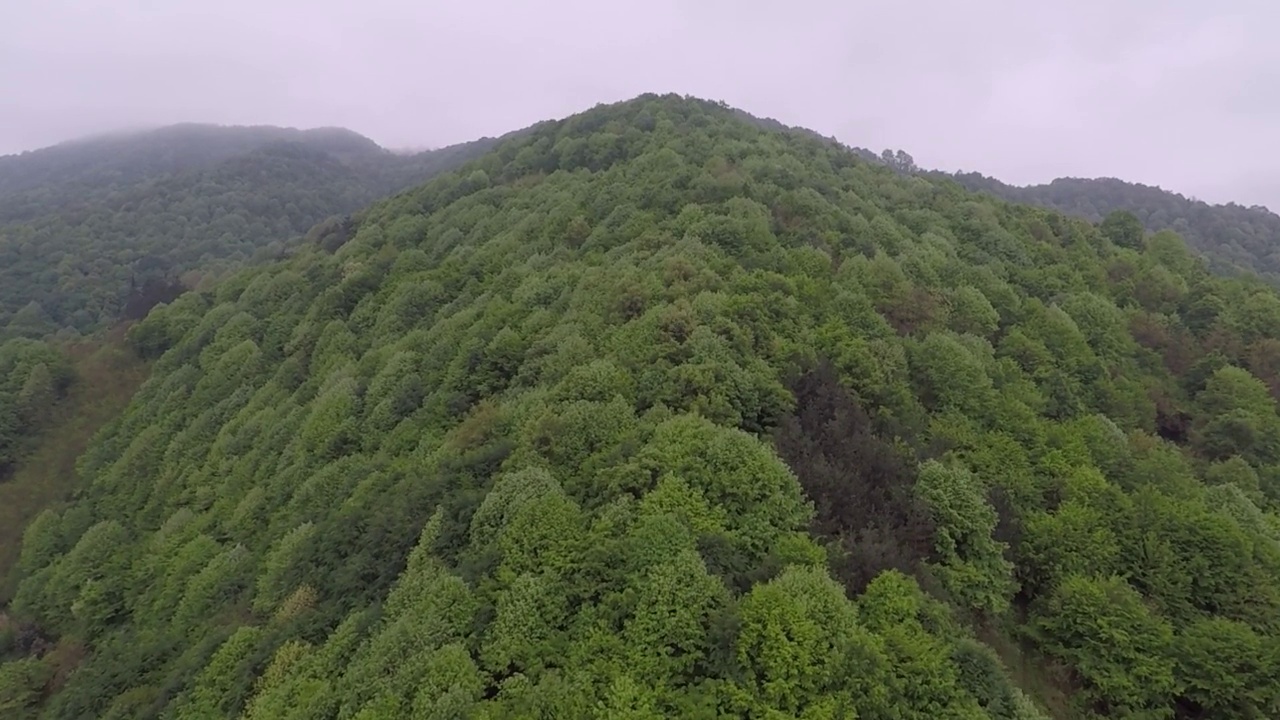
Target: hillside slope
{"points": [[1232, 237], [654, 413], [34, 378], [99, 229], [102, 375], [55, 178]]}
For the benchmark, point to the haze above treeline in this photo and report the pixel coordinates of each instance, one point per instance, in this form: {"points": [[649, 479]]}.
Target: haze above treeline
{"points": [[1173, 95]]}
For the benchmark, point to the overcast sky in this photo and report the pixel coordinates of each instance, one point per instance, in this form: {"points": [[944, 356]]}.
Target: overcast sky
{"points": [[1180, 93]]}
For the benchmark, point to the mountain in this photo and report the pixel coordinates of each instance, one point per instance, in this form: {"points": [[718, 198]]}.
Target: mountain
{"points": [[656, 412], [94, 230], [35, 182], [97, 231], [1233, 238]]}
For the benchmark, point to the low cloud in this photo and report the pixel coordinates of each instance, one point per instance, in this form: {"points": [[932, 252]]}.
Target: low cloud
{"points": [[1180, 94]]}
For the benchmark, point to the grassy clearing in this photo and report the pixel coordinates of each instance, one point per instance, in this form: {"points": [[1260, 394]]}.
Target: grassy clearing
{"points": [[107, 375]]}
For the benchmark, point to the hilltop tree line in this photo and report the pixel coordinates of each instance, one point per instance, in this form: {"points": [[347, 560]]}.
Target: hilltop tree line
{"points": [[98, 231], [654, 413], [1232, 237]]}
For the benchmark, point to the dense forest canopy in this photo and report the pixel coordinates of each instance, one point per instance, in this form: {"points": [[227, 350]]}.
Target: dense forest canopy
{"points": [[1234, 238], [94, 230], [37, 182], [654, 412]]}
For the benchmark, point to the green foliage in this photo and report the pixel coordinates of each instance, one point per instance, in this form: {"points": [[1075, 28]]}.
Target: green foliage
{"points": [[1118, 647], [22, 685], [34, 377], [971, 564], [104, 228], [805, 652], [1237, 416], [653, 413], [1122, 228], [1227, 669], [1232, 237]]}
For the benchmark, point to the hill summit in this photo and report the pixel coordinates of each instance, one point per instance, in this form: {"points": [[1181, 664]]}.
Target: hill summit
{"points": [[653, 412], [99, 230], [115, 158], [1233, 238]]}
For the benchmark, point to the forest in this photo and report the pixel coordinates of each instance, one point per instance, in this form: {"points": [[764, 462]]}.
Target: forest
{"points": [[102, 229], [33, 377], [1233, 238], [658, 412]]}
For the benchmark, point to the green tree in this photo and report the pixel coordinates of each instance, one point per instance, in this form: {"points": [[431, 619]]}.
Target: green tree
{"points": [[1124, 229], [1237, 417], [1122, 652], [22, 683], [36, 398], [1225, 669], [971, 563]]}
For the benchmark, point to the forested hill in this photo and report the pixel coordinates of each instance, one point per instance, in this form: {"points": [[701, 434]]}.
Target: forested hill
{"points": [[96, 229], [1232, 237], [652, 412], [72, 173]]}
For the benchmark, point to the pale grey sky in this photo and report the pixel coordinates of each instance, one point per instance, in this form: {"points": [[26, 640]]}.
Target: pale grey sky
{"points": [[1180, 93]]}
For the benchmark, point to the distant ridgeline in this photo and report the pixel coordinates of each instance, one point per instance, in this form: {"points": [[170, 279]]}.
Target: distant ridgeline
{"points": [[656, 412], [100, 229], [1233, 238], [95, 230]]}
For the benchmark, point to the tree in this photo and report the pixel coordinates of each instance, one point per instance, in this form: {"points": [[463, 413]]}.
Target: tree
{"points": [[971, 562], [898, 160], [22, 683], [1124, 229], [1237, 417], [1120, 650], [668, 634], [37, 396], [800, 644], [1225, 670]]}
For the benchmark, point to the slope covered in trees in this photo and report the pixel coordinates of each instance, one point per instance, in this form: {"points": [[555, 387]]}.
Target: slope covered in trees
{"points": [[33, 378], [653, 413], [92, 169], [96, 229], [100, 375], [1232, 237]]}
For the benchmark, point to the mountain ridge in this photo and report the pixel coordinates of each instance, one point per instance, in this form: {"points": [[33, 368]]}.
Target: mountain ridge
{"points": [[154, 206], [653, 412], [134, 156], [1234, 237]]}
